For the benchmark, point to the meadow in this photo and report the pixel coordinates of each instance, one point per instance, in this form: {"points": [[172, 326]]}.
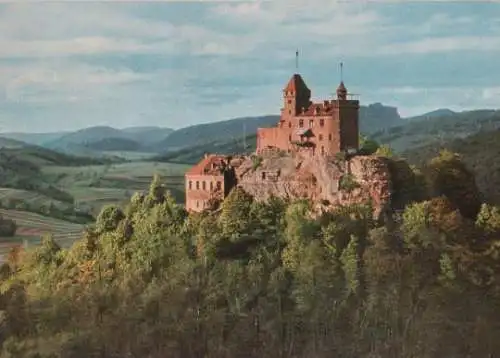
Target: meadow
{"points": [[31, 227]]}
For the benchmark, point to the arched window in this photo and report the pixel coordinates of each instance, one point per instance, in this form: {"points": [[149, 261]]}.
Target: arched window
{"points": [[190, 185], [219, 185], [311, 123], [301, 123]]}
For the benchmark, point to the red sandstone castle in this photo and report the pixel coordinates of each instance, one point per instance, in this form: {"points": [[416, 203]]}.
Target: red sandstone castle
{"points": [[323, 128]]}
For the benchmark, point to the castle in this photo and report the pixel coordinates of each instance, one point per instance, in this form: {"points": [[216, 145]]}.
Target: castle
{"points": [[322, 128]]}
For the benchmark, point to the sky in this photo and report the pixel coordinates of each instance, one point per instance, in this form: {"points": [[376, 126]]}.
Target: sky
{"points": [[67, 65]]}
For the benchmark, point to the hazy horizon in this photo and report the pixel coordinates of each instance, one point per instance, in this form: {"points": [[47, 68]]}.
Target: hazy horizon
{"points": [[67, 66]]}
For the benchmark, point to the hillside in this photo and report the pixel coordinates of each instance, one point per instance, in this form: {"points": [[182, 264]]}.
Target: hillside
{"points": [[438, 128], [114, 144], [193, 154], [21, 171], [11, 143], [35, 138], [90, 141], [480, 152]]}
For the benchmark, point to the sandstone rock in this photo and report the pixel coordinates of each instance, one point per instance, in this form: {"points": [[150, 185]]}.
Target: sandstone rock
{"points": [[327, 181]]}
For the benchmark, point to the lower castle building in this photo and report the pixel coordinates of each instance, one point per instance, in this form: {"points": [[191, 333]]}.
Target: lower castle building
{"points": [[314, 128]]}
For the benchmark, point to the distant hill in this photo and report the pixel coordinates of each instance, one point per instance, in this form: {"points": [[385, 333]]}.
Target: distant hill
{"points": [[114, 144], [90, 141], [193, 155], [479, 151], [11, 143], [224, 131], [433, 114], [34, 138], [441, 128]]}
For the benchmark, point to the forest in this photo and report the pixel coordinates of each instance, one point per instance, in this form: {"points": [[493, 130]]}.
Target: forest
{"points": [[268, 279]]}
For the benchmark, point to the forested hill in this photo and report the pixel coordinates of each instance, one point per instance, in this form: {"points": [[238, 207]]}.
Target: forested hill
{"points": [[480, 152]]}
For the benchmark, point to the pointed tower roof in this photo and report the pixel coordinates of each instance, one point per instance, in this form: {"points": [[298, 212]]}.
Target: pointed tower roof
{"points": [[296, 84], [341, 90]]}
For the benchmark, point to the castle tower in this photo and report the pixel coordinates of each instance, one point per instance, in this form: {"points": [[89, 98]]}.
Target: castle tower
{"points": [[296, 95], [348, 118]]}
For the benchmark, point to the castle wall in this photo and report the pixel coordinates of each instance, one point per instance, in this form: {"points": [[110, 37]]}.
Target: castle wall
{"points": [[201, 188]]}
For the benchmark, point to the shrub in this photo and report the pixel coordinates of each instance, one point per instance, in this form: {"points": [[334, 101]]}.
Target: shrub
{"points": [[348, 183], [8, 227]]}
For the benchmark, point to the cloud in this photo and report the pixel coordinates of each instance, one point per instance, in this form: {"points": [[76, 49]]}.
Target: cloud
{"points": [[181, 63]]}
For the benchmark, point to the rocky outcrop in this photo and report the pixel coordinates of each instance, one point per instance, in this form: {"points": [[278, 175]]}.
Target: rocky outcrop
{"points": [[327, 181]]}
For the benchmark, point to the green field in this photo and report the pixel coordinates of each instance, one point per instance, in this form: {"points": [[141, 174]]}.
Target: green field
{"points": [[31, 227], [97, 185]]}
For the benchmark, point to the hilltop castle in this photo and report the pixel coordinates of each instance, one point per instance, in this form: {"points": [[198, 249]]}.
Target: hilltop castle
{"points": [[322, 128]]}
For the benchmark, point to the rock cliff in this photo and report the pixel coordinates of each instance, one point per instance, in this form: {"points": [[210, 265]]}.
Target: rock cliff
{"points": [[327, 181]]}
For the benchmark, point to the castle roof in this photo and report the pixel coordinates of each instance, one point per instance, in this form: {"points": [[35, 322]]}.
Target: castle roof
{"points": [[296, 84], [210, 165]]}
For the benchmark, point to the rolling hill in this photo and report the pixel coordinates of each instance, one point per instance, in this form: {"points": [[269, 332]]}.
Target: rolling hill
{"points": [[93, 140]]}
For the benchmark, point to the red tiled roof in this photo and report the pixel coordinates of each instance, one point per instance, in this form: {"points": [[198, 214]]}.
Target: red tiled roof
{"points": [[296, 84], [206, 166]]}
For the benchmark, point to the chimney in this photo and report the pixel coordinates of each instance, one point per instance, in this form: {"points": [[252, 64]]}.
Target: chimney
{"points": [[206, 155]]}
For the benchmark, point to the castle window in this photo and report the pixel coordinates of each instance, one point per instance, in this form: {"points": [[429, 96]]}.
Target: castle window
{"points": [[301, 123], [320, 137], [197, 185], [321, 122], [330, 136], [203, 186], [311, 123], [190, 185]]}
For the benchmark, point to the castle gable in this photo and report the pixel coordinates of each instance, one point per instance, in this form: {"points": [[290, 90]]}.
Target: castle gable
{"points": [[210, 165]]}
